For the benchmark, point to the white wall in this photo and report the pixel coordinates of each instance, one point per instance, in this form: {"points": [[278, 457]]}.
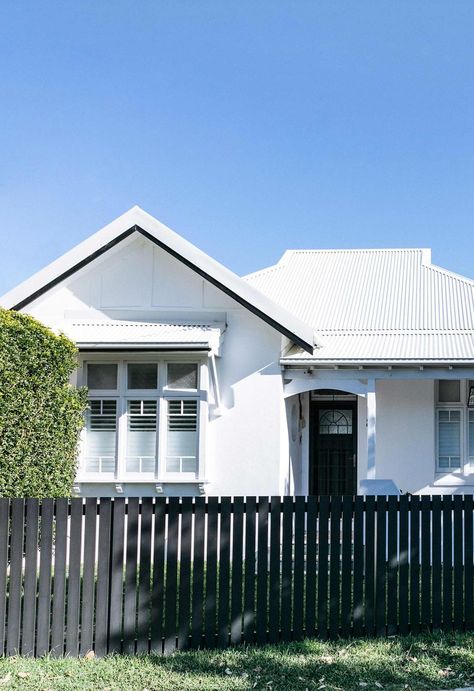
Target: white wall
{"points": [[247, 447], [405, 449]]}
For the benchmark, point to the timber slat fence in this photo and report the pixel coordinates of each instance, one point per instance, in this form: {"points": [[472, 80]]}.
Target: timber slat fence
{"points": [[157, 574]]}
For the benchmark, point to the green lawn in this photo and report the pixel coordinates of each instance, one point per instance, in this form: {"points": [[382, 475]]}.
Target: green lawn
{"points": [[423, 662]]}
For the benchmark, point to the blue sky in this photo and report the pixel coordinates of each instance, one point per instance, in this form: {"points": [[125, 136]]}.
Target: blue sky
{"points": [[248, 127]]}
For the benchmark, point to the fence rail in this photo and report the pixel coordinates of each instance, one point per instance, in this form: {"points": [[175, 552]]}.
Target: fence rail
{"points": [[140, 575]]}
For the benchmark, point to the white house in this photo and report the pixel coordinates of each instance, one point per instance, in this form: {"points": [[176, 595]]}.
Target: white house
{"points": [[328, 373]]}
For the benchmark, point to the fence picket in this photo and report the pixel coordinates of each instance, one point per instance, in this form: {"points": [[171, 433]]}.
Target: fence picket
{"points": [[210, 603], [44, 580], [4, 533], [262, 571], [28, 624], [286, 569], [198, 572], [414, 564], [15, 580], [323, 564], [310, 604], [436, 562], [403, 572], [130, 586], [358, 605], [447, 564], [468, 563], [103, 575], [392, 565], [116, 576], [224, 573], [275, 579], [369, 566], [381, 567], [249, 583], [298, 567], [74, 579], [158, 588], [425, 563], [171, 575], [237, 562], [184, 613], [334, 567], [59, 580], [144, 576], [458, 592]]}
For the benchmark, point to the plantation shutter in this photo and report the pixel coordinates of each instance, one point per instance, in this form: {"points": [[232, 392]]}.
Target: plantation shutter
{"points": [[141, 436], [449, 439], [101, 436], [182, 436]]}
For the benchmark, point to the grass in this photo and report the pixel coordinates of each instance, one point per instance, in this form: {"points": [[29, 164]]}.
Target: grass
{"points": [[422, 662]]}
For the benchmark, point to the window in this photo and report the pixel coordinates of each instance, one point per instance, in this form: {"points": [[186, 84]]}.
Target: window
{"points": [[181, 443], [471, 437], [449, 439], [182, 376], [454, 426], [101, 436], [449, 391], [141, 436], [102, 377], [138, 423], [335, 422], [143, 376]]}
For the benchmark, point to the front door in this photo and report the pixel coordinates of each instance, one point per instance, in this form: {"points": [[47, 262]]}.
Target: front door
{"points": [[333, 449]]}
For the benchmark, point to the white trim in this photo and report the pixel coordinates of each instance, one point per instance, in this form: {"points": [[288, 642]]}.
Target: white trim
{"points": [[179, 246], [161, 394]]}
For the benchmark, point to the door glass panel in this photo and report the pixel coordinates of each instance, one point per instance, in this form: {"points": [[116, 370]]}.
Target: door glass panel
{"points": [[335, 421]]}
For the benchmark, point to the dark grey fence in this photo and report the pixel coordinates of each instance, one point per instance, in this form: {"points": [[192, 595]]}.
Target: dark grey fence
{"points": [[134, 576]]}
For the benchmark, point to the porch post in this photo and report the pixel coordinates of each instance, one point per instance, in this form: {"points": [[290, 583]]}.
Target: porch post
{"points": [[371, 428]]}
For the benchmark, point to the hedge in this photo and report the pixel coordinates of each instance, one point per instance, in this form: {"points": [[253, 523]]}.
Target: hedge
{"points": [[41, 414]]}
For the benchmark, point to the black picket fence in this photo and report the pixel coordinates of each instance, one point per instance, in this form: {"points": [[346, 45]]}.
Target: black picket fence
{"points": [[134, 576]]}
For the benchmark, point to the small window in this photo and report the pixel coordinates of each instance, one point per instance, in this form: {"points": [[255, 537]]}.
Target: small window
{"points": [[142, 376], [182, 375], [101, 431], [449, 391], [141, 436], [471, 437], [335, 422], [470, 394], [449, 439], [102, 377], [182, 441]]}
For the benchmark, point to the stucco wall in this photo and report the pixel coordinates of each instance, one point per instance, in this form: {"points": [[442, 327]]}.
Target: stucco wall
{"points": [[405, 449]]}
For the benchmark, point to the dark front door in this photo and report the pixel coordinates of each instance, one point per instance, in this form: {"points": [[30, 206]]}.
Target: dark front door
{"points": [[333, 459]]}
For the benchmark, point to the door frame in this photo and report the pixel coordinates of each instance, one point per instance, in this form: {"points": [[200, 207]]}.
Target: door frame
{"points": [[314, 408]]}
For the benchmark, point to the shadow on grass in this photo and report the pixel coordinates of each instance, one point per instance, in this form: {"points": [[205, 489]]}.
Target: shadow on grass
{"points": [[421, 662]]}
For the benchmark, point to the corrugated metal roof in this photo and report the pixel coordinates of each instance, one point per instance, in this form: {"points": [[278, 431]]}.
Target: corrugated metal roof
{"points": [[123, 333], [375, 304], [390, 347]]}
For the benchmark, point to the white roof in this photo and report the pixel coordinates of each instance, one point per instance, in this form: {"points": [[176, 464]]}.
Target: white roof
{"points": [[137, 220], [387, 305], [115, 334]]}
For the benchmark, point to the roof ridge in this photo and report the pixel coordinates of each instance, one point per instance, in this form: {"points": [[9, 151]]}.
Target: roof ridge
{"points": [[355, 250]]}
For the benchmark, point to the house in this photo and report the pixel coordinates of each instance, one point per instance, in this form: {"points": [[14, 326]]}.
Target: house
{"points": [[332, 372]]}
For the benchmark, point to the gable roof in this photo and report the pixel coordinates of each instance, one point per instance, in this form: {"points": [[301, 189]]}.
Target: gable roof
{"points": [[138, 221], [380, 305]]}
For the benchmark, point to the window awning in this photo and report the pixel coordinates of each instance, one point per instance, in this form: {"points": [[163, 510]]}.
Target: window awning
{"points": [[128, 335]]}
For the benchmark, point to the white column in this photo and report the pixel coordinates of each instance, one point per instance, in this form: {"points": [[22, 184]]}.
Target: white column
{"points": [[371, 429]]}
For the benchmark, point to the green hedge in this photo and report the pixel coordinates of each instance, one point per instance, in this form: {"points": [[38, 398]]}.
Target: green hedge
{"points": [[41, 415]]}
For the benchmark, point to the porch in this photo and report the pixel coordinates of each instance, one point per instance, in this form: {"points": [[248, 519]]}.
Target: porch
{"points": [[397, 430]]}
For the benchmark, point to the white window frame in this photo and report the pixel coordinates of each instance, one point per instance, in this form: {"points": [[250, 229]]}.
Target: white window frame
{"points": [[466, 469], [161, 394]]}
